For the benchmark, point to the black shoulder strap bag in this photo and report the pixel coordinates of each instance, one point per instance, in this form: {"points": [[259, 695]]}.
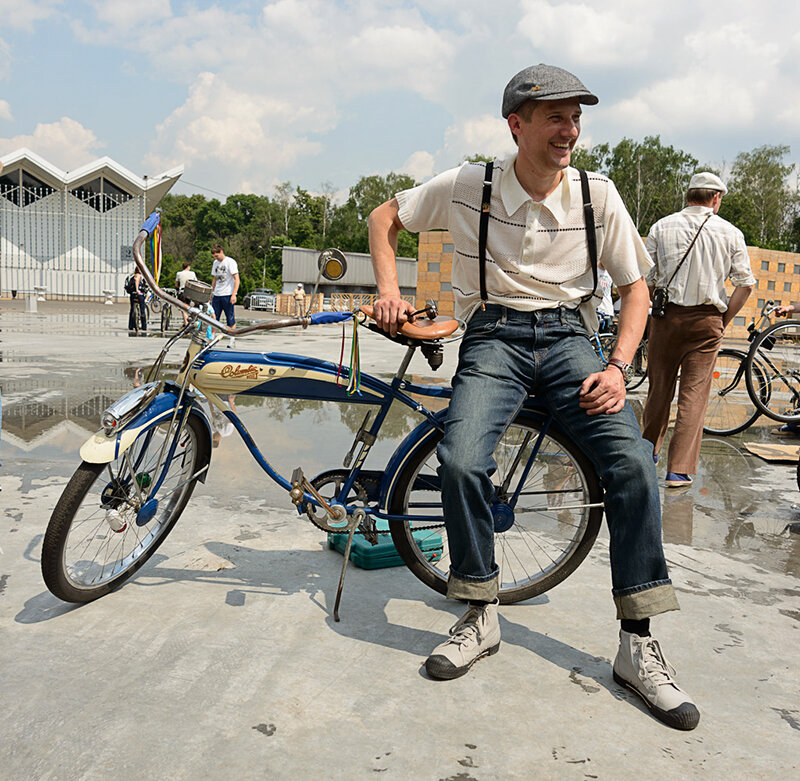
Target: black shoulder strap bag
{"points": [[588, 218], [660, 295]]}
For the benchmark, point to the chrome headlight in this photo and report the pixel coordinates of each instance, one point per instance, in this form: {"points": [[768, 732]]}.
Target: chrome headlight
{"points": [[126, 407]]}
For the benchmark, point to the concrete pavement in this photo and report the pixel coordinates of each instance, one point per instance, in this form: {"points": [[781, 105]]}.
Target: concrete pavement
{"points": [[220, 659]]}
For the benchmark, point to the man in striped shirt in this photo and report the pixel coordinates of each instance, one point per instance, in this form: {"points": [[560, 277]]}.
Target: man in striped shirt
{"points": [[527, 333]]}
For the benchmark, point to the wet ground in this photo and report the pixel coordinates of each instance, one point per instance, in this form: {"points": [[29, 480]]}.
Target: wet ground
{"points": [[730, 538]]}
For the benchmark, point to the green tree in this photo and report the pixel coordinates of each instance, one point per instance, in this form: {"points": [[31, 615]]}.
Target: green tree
{"points": [[760, 201], [651, 178]]}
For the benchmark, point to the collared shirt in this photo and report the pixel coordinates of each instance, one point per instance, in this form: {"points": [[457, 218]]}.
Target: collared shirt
{"points": [[537, 254], [719, 253]]}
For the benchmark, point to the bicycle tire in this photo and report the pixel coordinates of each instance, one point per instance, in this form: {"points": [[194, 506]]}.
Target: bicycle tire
{"points": [[605, 343], [154, 305], [542, 547], [777, 352], [730, 408], [639, 367], [166, 315], [83, 558]]}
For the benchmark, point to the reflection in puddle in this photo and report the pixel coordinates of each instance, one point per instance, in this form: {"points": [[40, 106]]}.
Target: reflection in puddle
{"points": [[738, 504]]}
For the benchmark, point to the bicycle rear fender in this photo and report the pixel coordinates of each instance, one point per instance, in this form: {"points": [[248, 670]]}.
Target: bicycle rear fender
{"points": [[102, 449]]}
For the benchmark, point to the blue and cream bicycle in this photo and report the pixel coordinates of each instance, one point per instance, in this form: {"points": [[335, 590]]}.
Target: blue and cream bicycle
{"points": [[139, 470]]}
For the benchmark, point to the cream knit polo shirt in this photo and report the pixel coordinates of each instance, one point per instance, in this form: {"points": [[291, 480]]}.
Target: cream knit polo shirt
{"points": [[537, 257]]}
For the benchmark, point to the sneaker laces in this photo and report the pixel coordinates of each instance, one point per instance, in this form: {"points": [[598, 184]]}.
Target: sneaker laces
{"points": [[654, 664], [467, 628]]}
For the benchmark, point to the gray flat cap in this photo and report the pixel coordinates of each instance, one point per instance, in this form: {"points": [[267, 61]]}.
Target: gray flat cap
{"points": [[705, 180], [544, 82]]}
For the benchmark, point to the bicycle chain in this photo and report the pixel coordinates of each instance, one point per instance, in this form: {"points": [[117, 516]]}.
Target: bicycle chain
{"points": [[359, 486]]}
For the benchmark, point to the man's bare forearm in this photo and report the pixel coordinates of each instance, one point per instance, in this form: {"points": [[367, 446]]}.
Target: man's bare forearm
{"points": [[735, 303], [384, 228], [634, 305]]}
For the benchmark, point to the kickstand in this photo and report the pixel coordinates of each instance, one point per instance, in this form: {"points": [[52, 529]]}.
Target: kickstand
{"points": [[344, 571]]}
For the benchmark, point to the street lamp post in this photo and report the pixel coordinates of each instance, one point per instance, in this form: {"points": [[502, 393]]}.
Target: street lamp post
{"points": [[263, 267]]}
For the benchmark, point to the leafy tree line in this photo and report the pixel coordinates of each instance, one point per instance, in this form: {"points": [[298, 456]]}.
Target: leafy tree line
{"points": [[253, 228], [652, 179]]}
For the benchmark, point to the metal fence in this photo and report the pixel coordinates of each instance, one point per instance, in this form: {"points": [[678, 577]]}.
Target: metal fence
{"points": [[76, 246]]}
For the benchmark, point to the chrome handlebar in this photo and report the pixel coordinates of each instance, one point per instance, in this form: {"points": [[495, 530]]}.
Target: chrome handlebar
{"points": [[263, 325]]}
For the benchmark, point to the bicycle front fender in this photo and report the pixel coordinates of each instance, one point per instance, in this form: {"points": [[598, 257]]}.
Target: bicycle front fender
{"points": [[102, 449]]}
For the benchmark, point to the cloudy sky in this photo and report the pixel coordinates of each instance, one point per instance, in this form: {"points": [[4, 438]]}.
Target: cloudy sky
{"points": [[249, 93]]}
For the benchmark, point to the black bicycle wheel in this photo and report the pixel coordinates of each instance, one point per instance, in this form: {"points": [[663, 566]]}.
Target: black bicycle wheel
{"points": [[730, 408], [547, 534], [777, 352], [102, 530], [166, 315], [638, 366], [154, 305]]}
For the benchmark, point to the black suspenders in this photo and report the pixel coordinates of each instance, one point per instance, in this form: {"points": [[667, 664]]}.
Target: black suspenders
{"points": [[588, 218]]}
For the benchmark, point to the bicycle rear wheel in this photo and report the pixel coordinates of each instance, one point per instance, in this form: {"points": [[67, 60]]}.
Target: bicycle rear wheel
{"points": [[102, 530], [166, 314], [639, 366], [538, 543], [730, 408], [154, 304], [777, 352]]}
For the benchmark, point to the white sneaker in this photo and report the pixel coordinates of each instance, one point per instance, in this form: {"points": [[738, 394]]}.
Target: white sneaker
{"points": [[475, 635], [641, 667]]}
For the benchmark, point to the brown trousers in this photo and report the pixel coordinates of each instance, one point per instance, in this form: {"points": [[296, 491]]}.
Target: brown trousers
{"points": [[686, 339]]}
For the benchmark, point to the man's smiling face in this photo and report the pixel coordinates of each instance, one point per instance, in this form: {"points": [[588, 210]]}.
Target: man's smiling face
{"points": [[546, 139]]}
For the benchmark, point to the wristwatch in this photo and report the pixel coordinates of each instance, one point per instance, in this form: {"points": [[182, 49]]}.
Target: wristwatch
{"points": [[625, 368]]}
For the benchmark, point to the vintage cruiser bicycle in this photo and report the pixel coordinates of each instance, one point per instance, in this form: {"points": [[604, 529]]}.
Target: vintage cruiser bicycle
{"points": [[139, 471]]}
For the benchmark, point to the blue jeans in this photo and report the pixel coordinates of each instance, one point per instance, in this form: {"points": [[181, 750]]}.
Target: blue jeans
{"points": [[506, 355], [222, 304]]}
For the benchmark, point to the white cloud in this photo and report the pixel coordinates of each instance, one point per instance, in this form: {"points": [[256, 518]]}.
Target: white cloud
{"points": [[66, 143], [5, 110], [24, 15], [249, 135], [483, 135], [586, 35], [420, 166]]}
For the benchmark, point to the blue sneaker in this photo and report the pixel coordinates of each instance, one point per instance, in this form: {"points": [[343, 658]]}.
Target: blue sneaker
{"points": [[676, 480], [655, 458]]}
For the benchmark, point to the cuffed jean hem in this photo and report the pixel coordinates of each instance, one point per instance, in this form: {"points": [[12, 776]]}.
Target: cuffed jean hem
{"points": [[479, 590], [646, 602]]}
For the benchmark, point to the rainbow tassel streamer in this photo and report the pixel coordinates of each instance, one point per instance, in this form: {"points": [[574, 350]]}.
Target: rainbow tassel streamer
{"points": [[354, 385], [155, 250]]}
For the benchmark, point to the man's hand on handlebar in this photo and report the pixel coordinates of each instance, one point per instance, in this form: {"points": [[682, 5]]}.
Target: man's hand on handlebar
{"points": [[390, 312], [784, 311]]}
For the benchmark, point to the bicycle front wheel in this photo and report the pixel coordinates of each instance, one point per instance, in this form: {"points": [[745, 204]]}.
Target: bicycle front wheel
{"points": [[104, 528], [166, 314], [539, 541], [730, 408], [777, 353], [154, 304]]}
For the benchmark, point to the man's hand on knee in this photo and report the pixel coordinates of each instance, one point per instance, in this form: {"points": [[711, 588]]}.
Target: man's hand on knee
{"points": [[603, 392]]}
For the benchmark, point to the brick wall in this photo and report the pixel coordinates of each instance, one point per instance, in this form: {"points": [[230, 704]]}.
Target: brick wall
{"points": [[777, 277]]}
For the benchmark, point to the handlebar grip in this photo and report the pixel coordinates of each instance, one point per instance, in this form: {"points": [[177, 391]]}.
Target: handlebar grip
{"points": [[318, 318], [150, 223]]}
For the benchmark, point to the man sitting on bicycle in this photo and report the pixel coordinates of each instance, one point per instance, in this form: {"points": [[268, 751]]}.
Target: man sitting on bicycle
{"points": [[526, 334]]}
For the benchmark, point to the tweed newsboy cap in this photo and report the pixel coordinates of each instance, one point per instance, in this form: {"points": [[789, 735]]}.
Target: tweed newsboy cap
{"points": [[705, 180], [544, 82]]}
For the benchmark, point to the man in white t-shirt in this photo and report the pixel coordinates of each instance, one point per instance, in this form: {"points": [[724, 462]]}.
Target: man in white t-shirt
{"points": [[224, 284], [527, 315]]}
